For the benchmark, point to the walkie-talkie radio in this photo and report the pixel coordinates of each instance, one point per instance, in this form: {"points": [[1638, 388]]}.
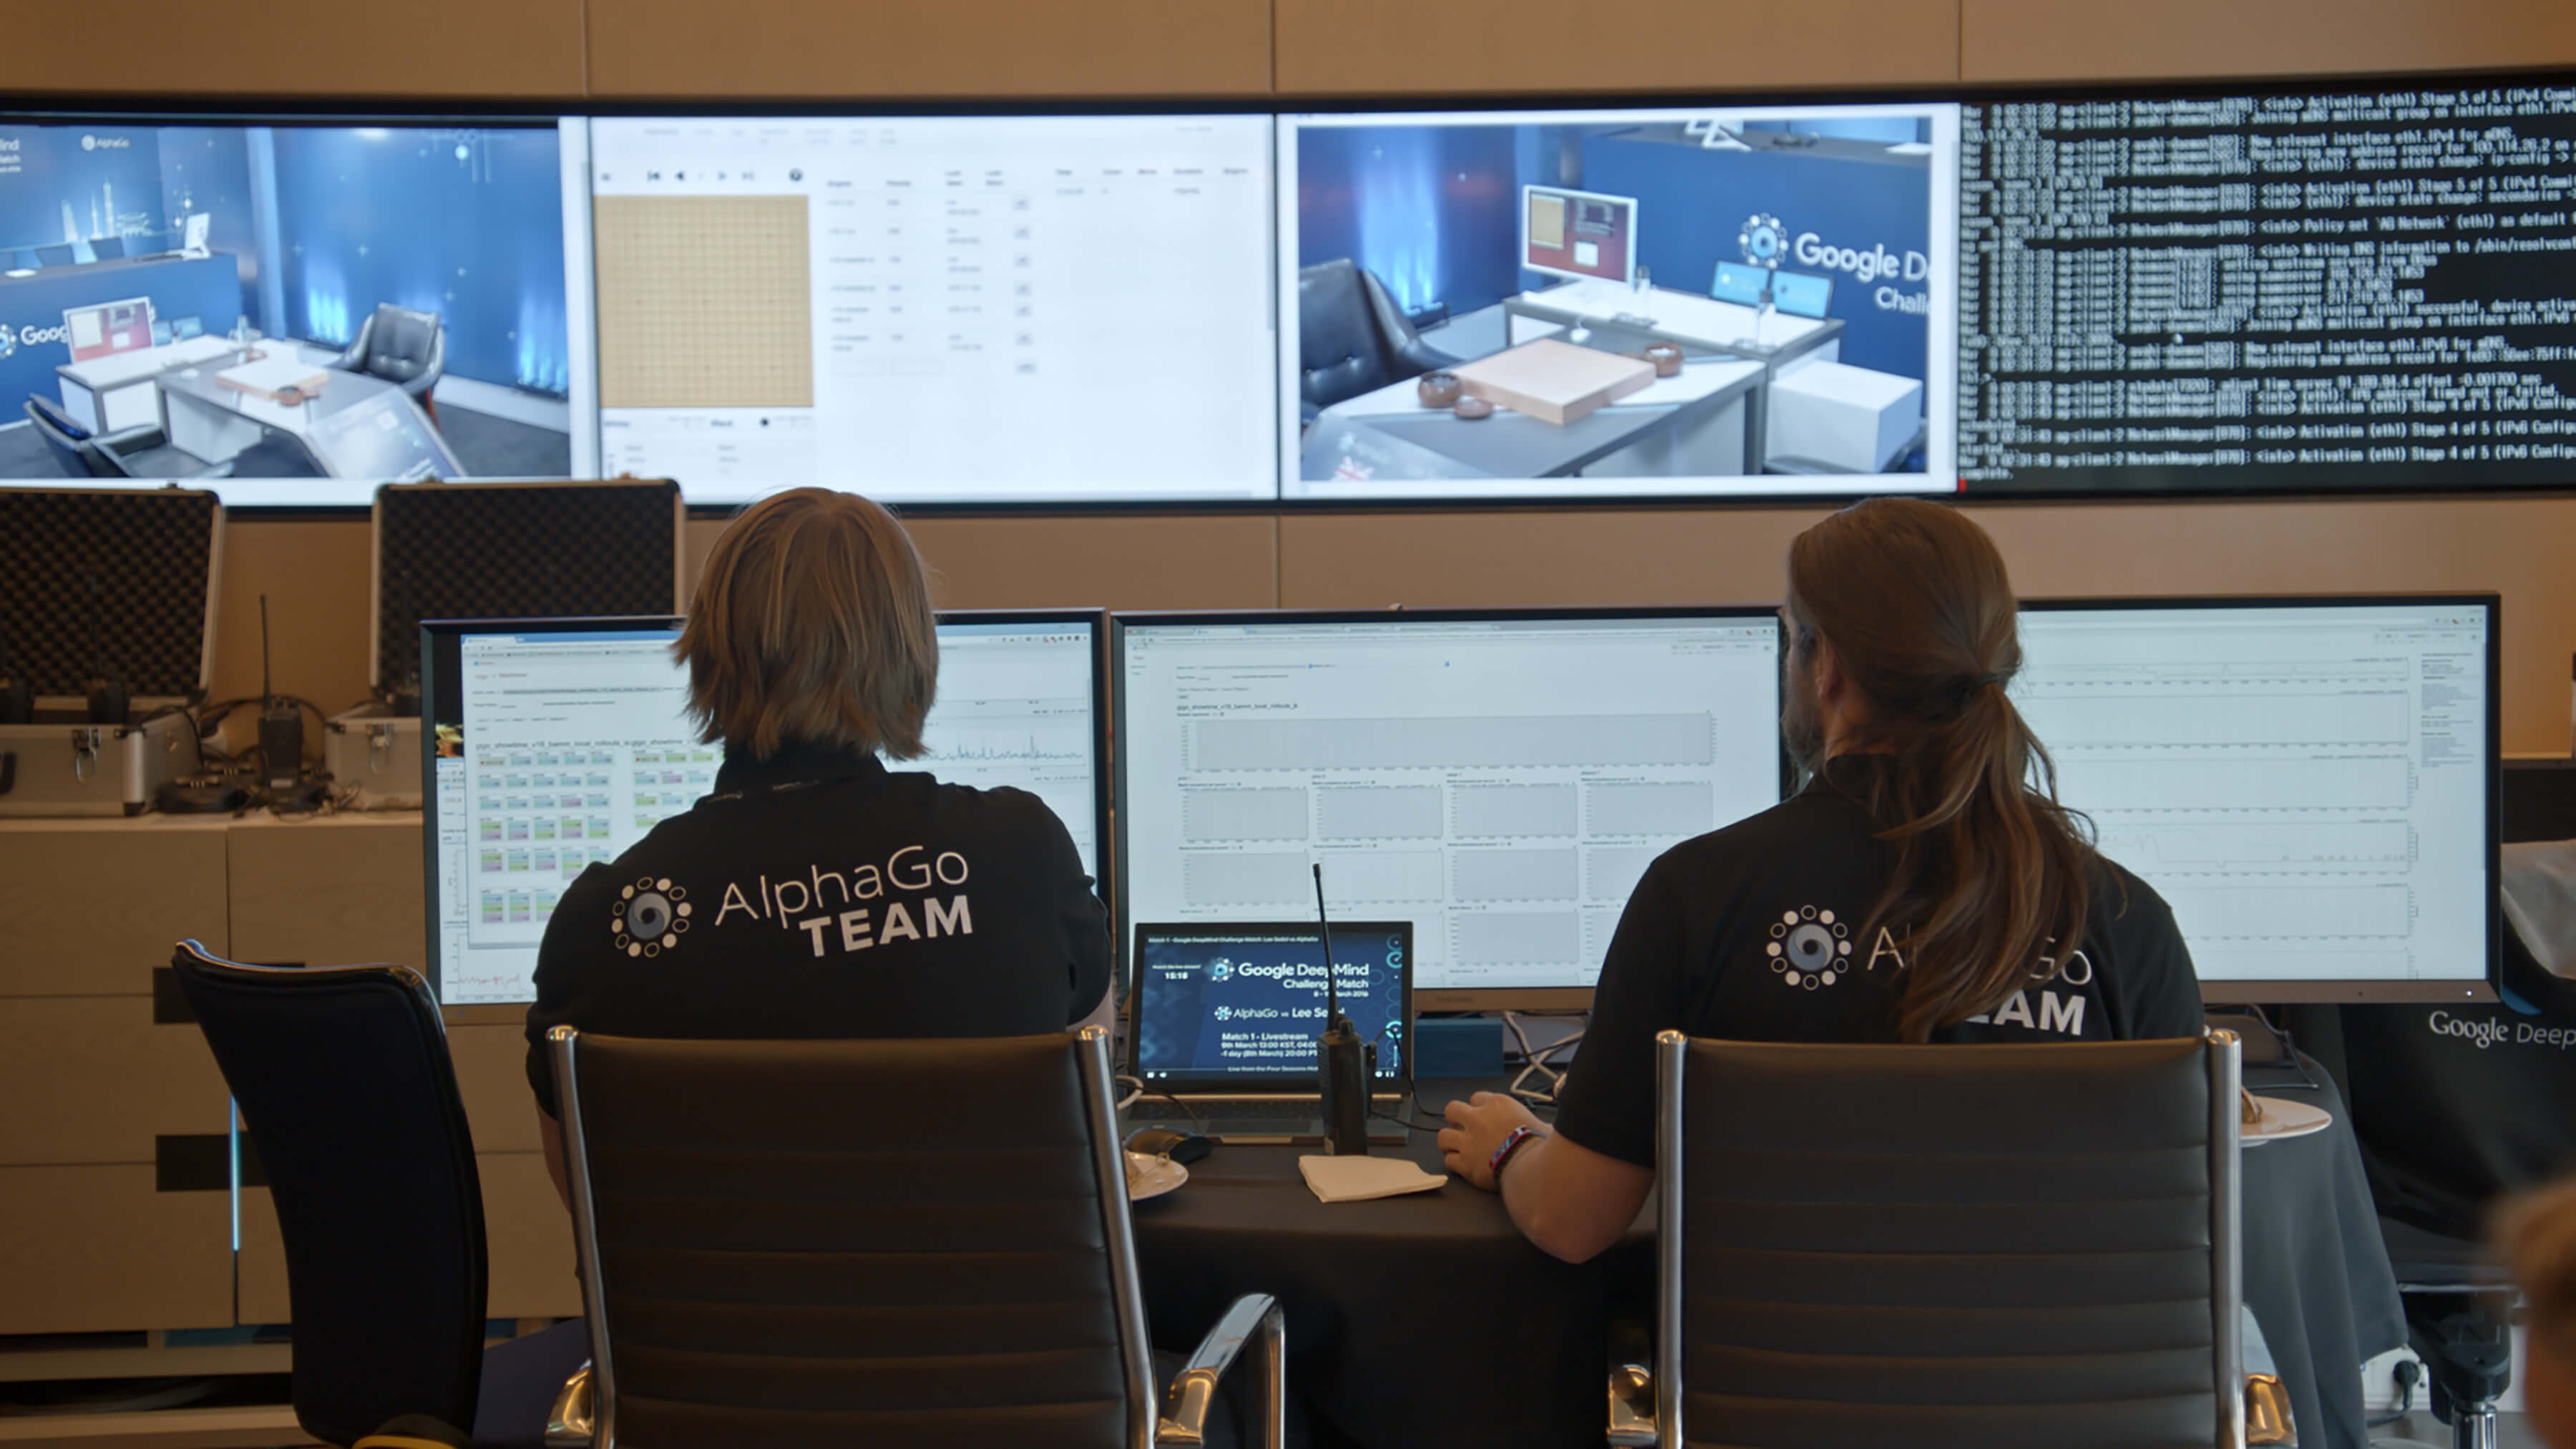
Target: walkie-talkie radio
{"points": [[1345, 1073]]}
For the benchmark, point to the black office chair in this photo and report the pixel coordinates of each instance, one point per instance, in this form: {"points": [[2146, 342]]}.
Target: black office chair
{"points": [[777, 1245], [1352, 338], [1864, 1247], [400, 346], [107, 248], [141, 451], [61, 255], [278, 454], [345, 1087]]}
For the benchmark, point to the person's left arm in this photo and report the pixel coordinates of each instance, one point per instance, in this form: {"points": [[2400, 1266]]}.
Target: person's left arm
{"points": [[1569, 1200], [1574, 1195]]}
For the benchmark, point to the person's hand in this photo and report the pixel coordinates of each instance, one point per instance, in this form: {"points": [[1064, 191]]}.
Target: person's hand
{"points": [[1476, 1127]]}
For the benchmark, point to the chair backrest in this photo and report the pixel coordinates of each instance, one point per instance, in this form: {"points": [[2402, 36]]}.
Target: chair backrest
{"points": [[107, 248], [779, 1243], [1343, 320], [60, 255], [400, 342], [68, 439], [344, 1084], [1931, 1246]]}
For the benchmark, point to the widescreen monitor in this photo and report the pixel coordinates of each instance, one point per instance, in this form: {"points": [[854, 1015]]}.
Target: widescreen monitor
{"points": [[1498, 778], [108, 328], [555, 744], [284, 236], [1578, 234], [1614, 230], [929, 309], [2311, 784]]}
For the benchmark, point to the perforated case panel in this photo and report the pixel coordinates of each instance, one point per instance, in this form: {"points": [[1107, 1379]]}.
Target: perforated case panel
{"points": [[518, 551], [155, 556]]}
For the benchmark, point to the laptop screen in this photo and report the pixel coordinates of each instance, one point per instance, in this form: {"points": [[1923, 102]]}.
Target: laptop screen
{"points": [[1237, 1007]]}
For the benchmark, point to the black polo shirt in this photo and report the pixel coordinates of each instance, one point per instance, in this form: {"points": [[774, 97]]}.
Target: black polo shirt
{"points": [[1756, 933], [818, 894]]}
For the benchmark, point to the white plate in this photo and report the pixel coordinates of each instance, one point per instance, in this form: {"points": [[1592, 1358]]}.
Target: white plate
{"points": [[2283, 1119], [1152, 1176]]}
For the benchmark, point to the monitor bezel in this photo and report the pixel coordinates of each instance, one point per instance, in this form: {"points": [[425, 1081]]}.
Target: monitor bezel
{"points": [[1628, 251], [2449, 990], [1516, 998], [1409, 1006], [434, 667]]}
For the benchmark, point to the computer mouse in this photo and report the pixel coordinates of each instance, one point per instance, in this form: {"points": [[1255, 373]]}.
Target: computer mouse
{"points": [[1182, 1147]]}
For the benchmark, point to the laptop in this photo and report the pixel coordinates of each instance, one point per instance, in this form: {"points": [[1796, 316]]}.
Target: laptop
{"points": [[1226, 1016]]}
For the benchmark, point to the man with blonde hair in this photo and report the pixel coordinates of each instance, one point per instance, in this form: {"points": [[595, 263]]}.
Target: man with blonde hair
{"points": [[815, 893]]}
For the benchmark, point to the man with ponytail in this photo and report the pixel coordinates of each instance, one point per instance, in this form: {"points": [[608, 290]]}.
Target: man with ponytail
{"points": [[1924, 886]]}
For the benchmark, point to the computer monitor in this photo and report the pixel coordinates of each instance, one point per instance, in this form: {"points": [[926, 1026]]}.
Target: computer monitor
{"points": [[183, 328], [1801, 295], [2311, 784], [161, 334], [108, 328], [1578, 234], [1237, 1007], [1499, 778], [554, 744], [1740, 283]]}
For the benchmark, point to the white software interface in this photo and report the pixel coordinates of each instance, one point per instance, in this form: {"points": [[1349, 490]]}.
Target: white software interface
{"points": [[1500, 784], [574, 745], [960, 307], [2306, 786]]}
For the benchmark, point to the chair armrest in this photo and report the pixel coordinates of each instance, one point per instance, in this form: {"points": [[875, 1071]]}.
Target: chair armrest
{"points": [[575, 1413], [2267, 1411], [1193, 1390], [1632, 1407], [1423, 355]]}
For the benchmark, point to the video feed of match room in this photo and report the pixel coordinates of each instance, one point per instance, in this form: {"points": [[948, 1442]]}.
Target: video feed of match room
{"points": [[1592, 303], [288, 313]]}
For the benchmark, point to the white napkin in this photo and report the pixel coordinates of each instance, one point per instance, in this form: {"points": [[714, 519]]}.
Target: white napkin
{"points": [[1357, 1179], [2540, 901]]}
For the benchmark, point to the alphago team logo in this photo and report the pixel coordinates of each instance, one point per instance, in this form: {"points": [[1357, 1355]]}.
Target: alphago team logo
{"points": [[1221, 969], [651, 916], [1809, 948], [8, 342]]}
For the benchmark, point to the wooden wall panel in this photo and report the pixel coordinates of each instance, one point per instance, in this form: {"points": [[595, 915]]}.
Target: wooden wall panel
{"points": [[2519, 547], [891, 48], [319, 600], [91, 907], [2074, 40], [96, 1080], [342, 890], [1210, 561], [96, 1249], [453, 49], [1395, 47]]}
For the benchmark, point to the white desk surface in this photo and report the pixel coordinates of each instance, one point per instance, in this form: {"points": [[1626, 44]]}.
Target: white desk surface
{"points": [[1704, 320], [117, 369], [1701, 378]]}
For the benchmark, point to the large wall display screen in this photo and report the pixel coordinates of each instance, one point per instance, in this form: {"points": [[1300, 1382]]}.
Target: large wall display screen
{"points": [[950, 309], [2285, 292], [292, 313], [1617, 302], [2293, 289]]}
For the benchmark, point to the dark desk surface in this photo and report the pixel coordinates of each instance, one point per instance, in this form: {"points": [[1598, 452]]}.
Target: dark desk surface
{"points": [[1419, 1321]]}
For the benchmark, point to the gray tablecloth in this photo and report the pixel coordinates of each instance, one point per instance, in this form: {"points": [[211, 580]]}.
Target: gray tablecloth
{"points": [[2316, 1272]]}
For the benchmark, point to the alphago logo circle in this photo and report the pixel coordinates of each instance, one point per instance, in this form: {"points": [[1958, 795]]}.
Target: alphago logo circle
{"points": [[650, 916], [8, 342]]}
